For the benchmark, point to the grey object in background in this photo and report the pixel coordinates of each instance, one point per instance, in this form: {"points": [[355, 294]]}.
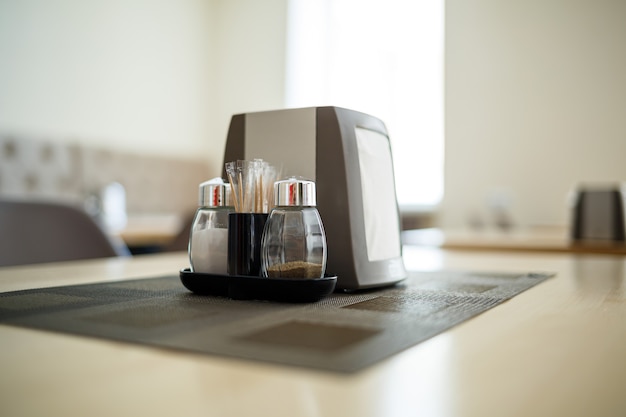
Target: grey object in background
{"points": [[598, 214]]}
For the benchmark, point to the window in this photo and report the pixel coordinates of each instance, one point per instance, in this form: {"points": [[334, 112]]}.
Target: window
{"points": [[384, 58]]}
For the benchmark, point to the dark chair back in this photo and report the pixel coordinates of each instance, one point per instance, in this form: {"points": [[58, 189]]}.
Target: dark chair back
{"points": [[38, 231]]}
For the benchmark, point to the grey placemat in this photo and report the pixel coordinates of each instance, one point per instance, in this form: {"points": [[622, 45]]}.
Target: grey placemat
{"points": [[342, 333]]}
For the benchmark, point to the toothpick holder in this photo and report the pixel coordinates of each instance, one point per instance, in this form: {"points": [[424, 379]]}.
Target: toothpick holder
{"points": [[245, 231]]}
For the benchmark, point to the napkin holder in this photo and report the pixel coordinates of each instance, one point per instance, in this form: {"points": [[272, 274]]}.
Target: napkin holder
{"points": [[348, 155]]}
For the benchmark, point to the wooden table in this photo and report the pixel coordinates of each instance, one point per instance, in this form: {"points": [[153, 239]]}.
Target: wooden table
{"points": [[536, 239], [558, 349], [151, 231]]}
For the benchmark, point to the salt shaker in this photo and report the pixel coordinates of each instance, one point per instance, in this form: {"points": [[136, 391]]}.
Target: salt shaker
{"points": [[208, 240], [294, 243]]}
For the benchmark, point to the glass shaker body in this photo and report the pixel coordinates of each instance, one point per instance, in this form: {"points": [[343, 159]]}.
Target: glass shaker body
{"points": [[208, 239], [294, 242]]}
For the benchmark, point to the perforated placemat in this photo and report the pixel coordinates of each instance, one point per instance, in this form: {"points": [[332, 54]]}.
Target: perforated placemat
{"points": [[342, 333]]}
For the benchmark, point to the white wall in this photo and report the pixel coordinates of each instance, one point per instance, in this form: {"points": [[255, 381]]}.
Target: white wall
{"points": [[128, 74], [155, 76], [535, 102], [535, 89], [250, 46]]}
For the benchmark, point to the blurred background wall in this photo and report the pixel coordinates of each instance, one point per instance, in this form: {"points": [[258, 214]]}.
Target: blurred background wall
{"points": [[535, 103], [535, 91], [157, 77]]}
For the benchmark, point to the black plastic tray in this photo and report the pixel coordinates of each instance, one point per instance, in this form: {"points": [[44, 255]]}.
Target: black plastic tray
{"points": [[241, 287]]}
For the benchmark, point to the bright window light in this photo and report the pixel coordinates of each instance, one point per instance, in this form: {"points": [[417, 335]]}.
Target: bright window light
{"points": [[384, 58]]}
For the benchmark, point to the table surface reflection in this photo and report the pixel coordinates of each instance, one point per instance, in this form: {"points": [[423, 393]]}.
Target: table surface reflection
{"points": [[529, 239], [556, 349]]}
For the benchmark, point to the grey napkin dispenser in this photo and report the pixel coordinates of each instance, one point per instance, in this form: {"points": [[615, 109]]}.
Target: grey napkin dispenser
{"points": [[348, 155]]}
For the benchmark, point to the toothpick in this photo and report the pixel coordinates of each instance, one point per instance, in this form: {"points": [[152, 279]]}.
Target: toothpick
{"points": [[243, 205], [233, 192], [260, 208]]}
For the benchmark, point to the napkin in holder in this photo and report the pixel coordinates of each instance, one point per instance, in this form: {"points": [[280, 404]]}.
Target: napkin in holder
{"points": [[348, 155]]}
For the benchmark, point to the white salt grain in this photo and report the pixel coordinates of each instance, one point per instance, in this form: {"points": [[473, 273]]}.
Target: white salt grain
{"points": [[209, 251]]}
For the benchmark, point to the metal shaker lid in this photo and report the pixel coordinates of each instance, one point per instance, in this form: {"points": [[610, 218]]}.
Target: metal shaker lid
{"points": [[294, 192], [214, 193]]}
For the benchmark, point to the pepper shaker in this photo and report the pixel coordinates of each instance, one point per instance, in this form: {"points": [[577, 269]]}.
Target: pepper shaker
{"points": [[294, 241]]}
